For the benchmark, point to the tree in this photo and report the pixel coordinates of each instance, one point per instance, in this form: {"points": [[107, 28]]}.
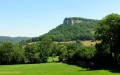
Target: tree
{"points": [[44, 48], [109, 34], [62, 52], [67, 51], [54, 51], [18, 54], [84, 54], [6, 53], [31, 53], [71, 48]]}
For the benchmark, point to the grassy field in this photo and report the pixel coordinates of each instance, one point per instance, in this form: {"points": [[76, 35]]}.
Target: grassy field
{"points": [[89, 43], [85, 43], [50, 69]]}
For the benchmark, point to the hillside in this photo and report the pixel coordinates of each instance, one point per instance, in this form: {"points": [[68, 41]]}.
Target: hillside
{"points": [[12, 39], [74, 28]]}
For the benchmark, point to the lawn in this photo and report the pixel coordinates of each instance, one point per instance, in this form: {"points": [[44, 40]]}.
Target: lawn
{"points": [[50, 69]]}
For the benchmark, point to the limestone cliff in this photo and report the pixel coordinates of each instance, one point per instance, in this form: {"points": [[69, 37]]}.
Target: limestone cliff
{"points": [[72, 20]]}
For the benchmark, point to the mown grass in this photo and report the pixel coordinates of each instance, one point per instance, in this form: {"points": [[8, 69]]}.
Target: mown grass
{"points": [[50, 69]]}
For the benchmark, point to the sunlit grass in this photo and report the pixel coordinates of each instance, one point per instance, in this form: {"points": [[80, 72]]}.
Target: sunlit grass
{"points": [[89, 43], [54, 59], [50, 69]]}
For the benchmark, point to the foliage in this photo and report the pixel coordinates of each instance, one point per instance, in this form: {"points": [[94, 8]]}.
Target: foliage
{"points": [[18, 54], [79, 31], [11, 54], [77, 52], [6, 52], [31, 53], [62, 52], [78, 41], [106, 52], [44, 48], [84, 54], [12, 39], [109, 34], [52, 59]]}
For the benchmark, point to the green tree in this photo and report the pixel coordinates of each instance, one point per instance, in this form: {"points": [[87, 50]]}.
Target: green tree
{"points": [[6, 53], [62, 52], [71, 48], [84, 54], [44, 48], [67, 51], [31, 53], [18, 54], [109, 34], [54, 51]]}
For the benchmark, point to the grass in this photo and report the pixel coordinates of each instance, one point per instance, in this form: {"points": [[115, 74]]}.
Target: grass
{"points": [[89, 43], [50, 59], [85, 43], [50, 69]]}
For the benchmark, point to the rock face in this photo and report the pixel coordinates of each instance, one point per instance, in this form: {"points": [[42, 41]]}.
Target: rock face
{"points": [[72, 20]]}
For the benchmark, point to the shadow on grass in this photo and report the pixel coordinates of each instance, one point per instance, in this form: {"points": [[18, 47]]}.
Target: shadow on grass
{"points": [[92, 67], [113, 69]]}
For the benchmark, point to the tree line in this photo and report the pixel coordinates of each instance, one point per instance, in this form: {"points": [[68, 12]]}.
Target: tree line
{"points": [[12, 39], [39, 52], [20, 53]]}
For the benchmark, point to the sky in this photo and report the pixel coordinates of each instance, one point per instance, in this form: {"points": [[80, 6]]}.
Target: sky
{"points": [[32, 18]]}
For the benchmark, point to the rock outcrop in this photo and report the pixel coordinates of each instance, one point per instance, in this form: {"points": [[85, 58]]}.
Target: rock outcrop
{"points": [[72, 20]]}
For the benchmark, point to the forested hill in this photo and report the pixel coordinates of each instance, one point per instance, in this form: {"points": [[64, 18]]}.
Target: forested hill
{"points": [[12, 39], [72, 29]]}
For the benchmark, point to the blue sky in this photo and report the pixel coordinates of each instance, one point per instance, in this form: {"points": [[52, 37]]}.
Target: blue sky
{"points": [[35, 17]]}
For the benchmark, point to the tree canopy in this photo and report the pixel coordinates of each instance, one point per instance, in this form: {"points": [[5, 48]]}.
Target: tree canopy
{"points": [[78, 31], [108, 33]]}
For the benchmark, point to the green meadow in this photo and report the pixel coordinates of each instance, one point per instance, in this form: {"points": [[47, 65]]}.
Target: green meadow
{"points": [[50, 69]]}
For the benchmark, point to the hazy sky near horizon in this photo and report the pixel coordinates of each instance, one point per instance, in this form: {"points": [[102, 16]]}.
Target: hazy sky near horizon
{"points": [[35, 17]]}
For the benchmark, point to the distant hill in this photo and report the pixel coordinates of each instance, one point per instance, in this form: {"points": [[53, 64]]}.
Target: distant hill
{"points": [[12, 39], [74, 28]]}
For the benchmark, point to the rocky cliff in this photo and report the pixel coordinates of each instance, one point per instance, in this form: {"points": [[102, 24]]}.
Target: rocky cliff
{"points": [[72, 20]]}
